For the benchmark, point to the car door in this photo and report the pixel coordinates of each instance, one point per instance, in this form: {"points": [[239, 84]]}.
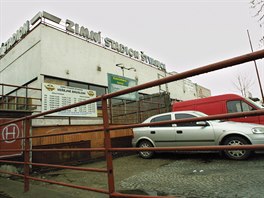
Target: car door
{"points": [[191, 134], [163, 135]]}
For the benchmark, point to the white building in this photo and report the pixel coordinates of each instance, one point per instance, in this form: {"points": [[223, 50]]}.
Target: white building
{"points": [[48, 50]]}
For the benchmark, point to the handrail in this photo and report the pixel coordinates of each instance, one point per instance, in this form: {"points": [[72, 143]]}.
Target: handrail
{"points": [[200, 70], [107, 128]]}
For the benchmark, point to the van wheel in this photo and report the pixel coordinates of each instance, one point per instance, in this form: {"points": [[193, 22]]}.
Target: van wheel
{"points": [[236, 154], [145, 154]]}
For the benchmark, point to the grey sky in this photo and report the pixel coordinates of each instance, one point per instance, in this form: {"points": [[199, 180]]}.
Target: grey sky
{"points": [[182, 34]]}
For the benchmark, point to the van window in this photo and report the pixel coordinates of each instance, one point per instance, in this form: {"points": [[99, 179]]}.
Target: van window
{"points": [[160, 119], [238, 106]]}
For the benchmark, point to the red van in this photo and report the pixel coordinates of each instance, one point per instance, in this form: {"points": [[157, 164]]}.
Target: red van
{"points": [[227, 103]]}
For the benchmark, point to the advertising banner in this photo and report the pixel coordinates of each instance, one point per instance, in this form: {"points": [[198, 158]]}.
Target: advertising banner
{"points": [[56, 96], [116, 83]]}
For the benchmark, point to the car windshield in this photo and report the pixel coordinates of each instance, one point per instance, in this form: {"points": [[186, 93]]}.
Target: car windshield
{"points": [[255, 104]]}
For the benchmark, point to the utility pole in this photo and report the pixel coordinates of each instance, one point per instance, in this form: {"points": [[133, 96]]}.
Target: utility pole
{"points": [[260, 87]]}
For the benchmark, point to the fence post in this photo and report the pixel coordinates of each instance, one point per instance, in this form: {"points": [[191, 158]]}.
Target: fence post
{"points": [[3, 98], [26, 99], [139, 111], [111, 111], [107, 143], [26, 154]]}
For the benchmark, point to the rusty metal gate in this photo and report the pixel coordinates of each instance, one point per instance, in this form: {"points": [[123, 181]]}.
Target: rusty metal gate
{"points": [[107, 149]]}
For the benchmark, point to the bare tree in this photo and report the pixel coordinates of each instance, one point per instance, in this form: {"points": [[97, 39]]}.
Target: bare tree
{"points": [[258, 6], [243, 84]]}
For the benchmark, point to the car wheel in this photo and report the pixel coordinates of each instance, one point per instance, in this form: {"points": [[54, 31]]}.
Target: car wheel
{"points": [[236, 154], [145, 154]]}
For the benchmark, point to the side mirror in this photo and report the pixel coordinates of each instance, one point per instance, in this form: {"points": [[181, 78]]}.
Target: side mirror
{"points": [[202, 123]]}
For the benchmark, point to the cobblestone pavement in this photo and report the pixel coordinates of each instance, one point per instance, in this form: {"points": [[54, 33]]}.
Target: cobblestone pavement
{"points": [[185, 175], [203, 177]]}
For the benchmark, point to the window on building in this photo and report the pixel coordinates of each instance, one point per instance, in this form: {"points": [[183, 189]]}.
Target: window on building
{"points": [[55, 81], [99, 91], [78, 85]]}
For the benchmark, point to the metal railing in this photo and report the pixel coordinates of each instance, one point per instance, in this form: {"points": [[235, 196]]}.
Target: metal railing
{"points": [[107, 130], [17, 98]]}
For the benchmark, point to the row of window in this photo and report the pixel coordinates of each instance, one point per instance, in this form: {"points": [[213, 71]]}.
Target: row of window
{"points": [[177, 117]]}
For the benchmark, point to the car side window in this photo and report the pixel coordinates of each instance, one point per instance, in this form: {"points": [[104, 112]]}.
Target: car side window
{"points": [[235, 106], [182, 116], [160, 119]]}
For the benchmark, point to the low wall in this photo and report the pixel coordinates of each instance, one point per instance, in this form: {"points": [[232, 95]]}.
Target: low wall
{"points": [[119, 138]]}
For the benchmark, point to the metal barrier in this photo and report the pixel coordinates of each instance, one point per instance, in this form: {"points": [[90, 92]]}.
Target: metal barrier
{"points": [[107, 129], [11, 98]]}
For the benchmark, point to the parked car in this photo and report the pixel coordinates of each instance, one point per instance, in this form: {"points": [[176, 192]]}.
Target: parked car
{"points": [[201, 133], [227, 103]]}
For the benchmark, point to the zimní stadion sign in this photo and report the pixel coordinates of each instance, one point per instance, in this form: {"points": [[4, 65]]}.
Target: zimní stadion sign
{"points": [[81, 31]]}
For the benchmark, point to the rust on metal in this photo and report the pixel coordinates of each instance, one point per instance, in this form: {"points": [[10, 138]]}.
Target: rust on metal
{"points": [[26, 154], [109, 159], [107, 129]]}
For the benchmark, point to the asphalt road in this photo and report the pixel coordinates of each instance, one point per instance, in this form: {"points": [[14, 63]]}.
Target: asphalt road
{"points": [[185, 175]]}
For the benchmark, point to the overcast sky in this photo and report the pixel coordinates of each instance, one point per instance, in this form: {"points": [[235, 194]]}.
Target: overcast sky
{"points": [[181, 34]]}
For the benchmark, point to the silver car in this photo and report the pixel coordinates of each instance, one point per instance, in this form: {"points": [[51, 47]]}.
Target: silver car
{"points": [[202, 133]]}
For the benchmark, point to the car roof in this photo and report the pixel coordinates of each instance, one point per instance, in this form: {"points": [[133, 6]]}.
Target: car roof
{"points": [[170, 113]]}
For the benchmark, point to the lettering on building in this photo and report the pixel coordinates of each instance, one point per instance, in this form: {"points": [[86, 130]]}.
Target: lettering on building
{"points": [[84, 32], [22, 31]]}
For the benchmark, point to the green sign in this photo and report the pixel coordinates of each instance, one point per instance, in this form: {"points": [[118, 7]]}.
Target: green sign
{"points": [[117, 83]]}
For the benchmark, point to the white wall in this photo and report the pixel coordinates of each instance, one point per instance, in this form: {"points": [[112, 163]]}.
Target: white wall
{"points": [[22, 63], [63, 52], [48, 51], [182, 89]]}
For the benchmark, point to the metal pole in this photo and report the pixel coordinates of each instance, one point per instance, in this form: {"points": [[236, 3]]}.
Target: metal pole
{"points": [[260, 87], [26, 155], [108, 153], [26, 101], [3, 101], [123, 71]]}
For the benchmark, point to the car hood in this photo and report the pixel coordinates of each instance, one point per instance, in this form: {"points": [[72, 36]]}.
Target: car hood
{"points": [[229, 125]]}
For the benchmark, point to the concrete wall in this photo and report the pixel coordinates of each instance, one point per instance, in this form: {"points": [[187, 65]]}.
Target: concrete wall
{"points": [[23, 62], [72, 58], [182, 89], [48, 51]]}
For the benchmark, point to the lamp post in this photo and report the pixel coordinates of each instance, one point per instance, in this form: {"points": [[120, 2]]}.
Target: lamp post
{"points": [[121, 65]]}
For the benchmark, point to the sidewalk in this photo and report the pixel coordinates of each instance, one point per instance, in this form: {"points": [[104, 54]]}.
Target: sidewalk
{"points": [[15, 189]]}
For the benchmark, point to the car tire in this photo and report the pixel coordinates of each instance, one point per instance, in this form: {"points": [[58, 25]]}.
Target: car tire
{"points": [[236, 154], [145, 154]]}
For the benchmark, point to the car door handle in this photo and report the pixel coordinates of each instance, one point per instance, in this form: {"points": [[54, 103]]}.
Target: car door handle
{"points": [[152, 132], [179, 132]]}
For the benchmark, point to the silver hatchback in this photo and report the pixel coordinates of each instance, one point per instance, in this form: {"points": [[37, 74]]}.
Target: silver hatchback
{"points": [[202, 133]]}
